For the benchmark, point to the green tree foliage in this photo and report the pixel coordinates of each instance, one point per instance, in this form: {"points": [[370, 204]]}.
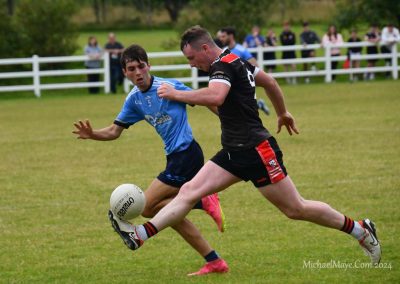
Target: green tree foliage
{"points": [[242, 15], [352, 12], [45, 27], [11, 40]]}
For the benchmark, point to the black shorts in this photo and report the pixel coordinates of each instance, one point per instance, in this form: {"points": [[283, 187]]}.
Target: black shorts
{"points": [[263, 164], [307, 53], [288, 54], [182, 166]]}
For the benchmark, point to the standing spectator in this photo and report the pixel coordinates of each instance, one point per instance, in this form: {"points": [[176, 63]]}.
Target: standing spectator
{"points": [[115, 49], [308, 37], [374, 37], [287, 38], [354, 51], [94, 52], [270, 41], [332, 37], [254, 40], [390, 36]]}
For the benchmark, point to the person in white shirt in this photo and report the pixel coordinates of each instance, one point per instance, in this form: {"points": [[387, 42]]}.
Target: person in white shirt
{"points": [[332, 37], [389, 37]]}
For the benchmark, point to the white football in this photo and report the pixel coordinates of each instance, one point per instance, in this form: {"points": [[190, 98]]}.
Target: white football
{"points": [[127, 201]]}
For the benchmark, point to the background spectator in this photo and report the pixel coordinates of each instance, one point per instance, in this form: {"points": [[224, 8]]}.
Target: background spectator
{"points": [[254, 39], [115, 49], [308, 37], [94, 52], [373, 37], [390, 36], [332, 37], [288, 38], [227, 37], [270, 40], [352, 51]]}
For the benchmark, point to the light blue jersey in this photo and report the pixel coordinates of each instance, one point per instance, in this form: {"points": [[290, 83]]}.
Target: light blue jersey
{"points": [[169, 118], [241, 51]]}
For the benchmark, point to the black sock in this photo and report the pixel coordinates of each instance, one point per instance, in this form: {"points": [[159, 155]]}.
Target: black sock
{"points": [[211, 256], [348, 225]]}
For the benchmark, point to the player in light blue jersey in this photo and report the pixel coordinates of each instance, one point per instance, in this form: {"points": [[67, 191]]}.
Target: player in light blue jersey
{"points": [[184, 155], [227, 38]]}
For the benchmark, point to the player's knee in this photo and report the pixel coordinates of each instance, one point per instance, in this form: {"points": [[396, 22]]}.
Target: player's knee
{"points": [[295, 212]]}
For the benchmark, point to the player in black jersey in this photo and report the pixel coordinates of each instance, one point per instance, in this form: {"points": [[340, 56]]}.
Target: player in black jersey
{"points": [[249, 152]]}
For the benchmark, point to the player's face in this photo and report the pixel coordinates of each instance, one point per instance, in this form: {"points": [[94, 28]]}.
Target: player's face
{"points": [[224, 38], [138, 73], [197, 58]]}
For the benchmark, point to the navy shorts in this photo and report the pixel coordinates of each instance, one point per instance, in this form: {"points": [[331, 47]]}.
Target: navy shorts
{"points": [[263, 164], [182, 166]]}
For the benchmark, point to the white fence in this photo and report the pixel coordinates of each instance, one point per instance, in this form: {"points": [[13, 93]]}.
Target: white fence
{"points": [[324, 67]]}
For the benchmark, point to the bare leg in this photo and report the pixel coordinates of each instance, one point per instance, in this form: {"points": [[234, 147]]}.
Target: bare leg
{"points": [[210, 179], [286, 198], [157, 196]]}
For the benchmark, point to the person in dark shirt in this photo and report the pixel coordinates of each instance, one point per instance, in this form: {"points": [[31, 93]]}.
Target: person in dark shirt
{"points": [[308, 37], [354, 51], [287, 38], [270, 41], [373, 37], [115, 49], [249, 151]]}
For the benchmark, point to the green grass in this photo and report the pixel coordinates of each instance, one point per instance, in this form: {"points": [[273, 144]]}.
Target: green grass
{"points": [[55, 191]]}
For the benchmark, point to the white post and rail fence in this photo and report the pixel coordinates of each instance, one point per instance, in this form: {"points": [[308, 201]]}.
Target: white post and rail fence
{"points": [[324, 67]]}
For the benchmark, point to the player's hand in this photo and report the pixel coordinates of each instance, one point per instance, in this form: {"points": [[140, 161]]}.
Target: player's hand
{"points": [[287, 120], [166, 91], [83, 129]]}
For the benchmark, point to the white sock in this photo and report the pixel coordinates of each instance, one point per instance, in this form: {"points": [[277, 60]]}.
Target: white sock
{"points": [[358, 231], [141, 232]]}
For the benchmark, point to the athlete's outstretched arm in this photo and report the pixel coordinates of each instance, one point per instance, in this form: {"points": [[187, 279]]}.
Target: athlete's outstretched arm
{"points": [[85, 131], [213, 95], [275, 95]]}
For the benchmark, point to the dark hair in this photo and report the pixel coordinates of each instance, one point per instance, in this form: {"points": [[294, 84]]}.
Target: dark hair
{"points": [[196, 36], [305, 24], [229, 31], [133, 53], [90, 39]]}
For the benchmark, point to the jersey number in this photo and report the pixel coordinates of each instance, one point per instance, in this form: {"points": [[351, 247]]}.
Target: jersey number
{"points": [[251, 78]]}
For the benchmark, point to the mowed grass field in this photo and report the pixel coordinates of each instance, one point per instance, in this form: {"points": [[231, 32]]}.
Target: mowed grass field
{"points": [[55, 191]]}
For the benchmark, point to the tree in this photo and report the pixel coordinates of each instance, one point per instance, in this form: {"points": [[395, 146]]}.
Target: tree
{"points": [[11, 37], [174, 8], [10, 7], [351, 12], [242, 15], [46, 28]]}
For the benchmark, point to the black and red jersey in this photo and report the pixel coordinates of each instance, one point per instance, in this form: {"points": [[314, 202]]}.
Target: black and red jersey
{"points": [[240, 122]]}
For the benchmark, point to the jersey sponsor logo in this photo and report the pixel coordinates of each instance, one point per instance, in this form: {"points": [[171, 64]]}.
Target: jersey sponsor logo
{"points": [[157, 119]]}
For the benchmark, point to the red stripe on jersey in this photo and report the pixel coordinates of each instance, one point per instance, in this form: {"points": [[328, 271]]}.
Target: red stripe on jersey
{"points": [[272, 165], [229, 58]]}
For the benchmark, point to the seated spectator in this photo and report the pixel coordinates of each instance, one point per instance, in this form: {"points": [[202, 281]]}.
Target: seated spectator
{"points": [[94, 52], [270, 41], [254, 40], [308, 37], [288, 38], [374, 37], [332, 37], [352, 51], [390, 36]]}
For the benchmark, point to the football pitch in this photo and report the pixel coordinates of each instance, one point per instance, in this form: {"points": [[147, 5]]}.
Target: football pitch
{"points": [[55, 192]]}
